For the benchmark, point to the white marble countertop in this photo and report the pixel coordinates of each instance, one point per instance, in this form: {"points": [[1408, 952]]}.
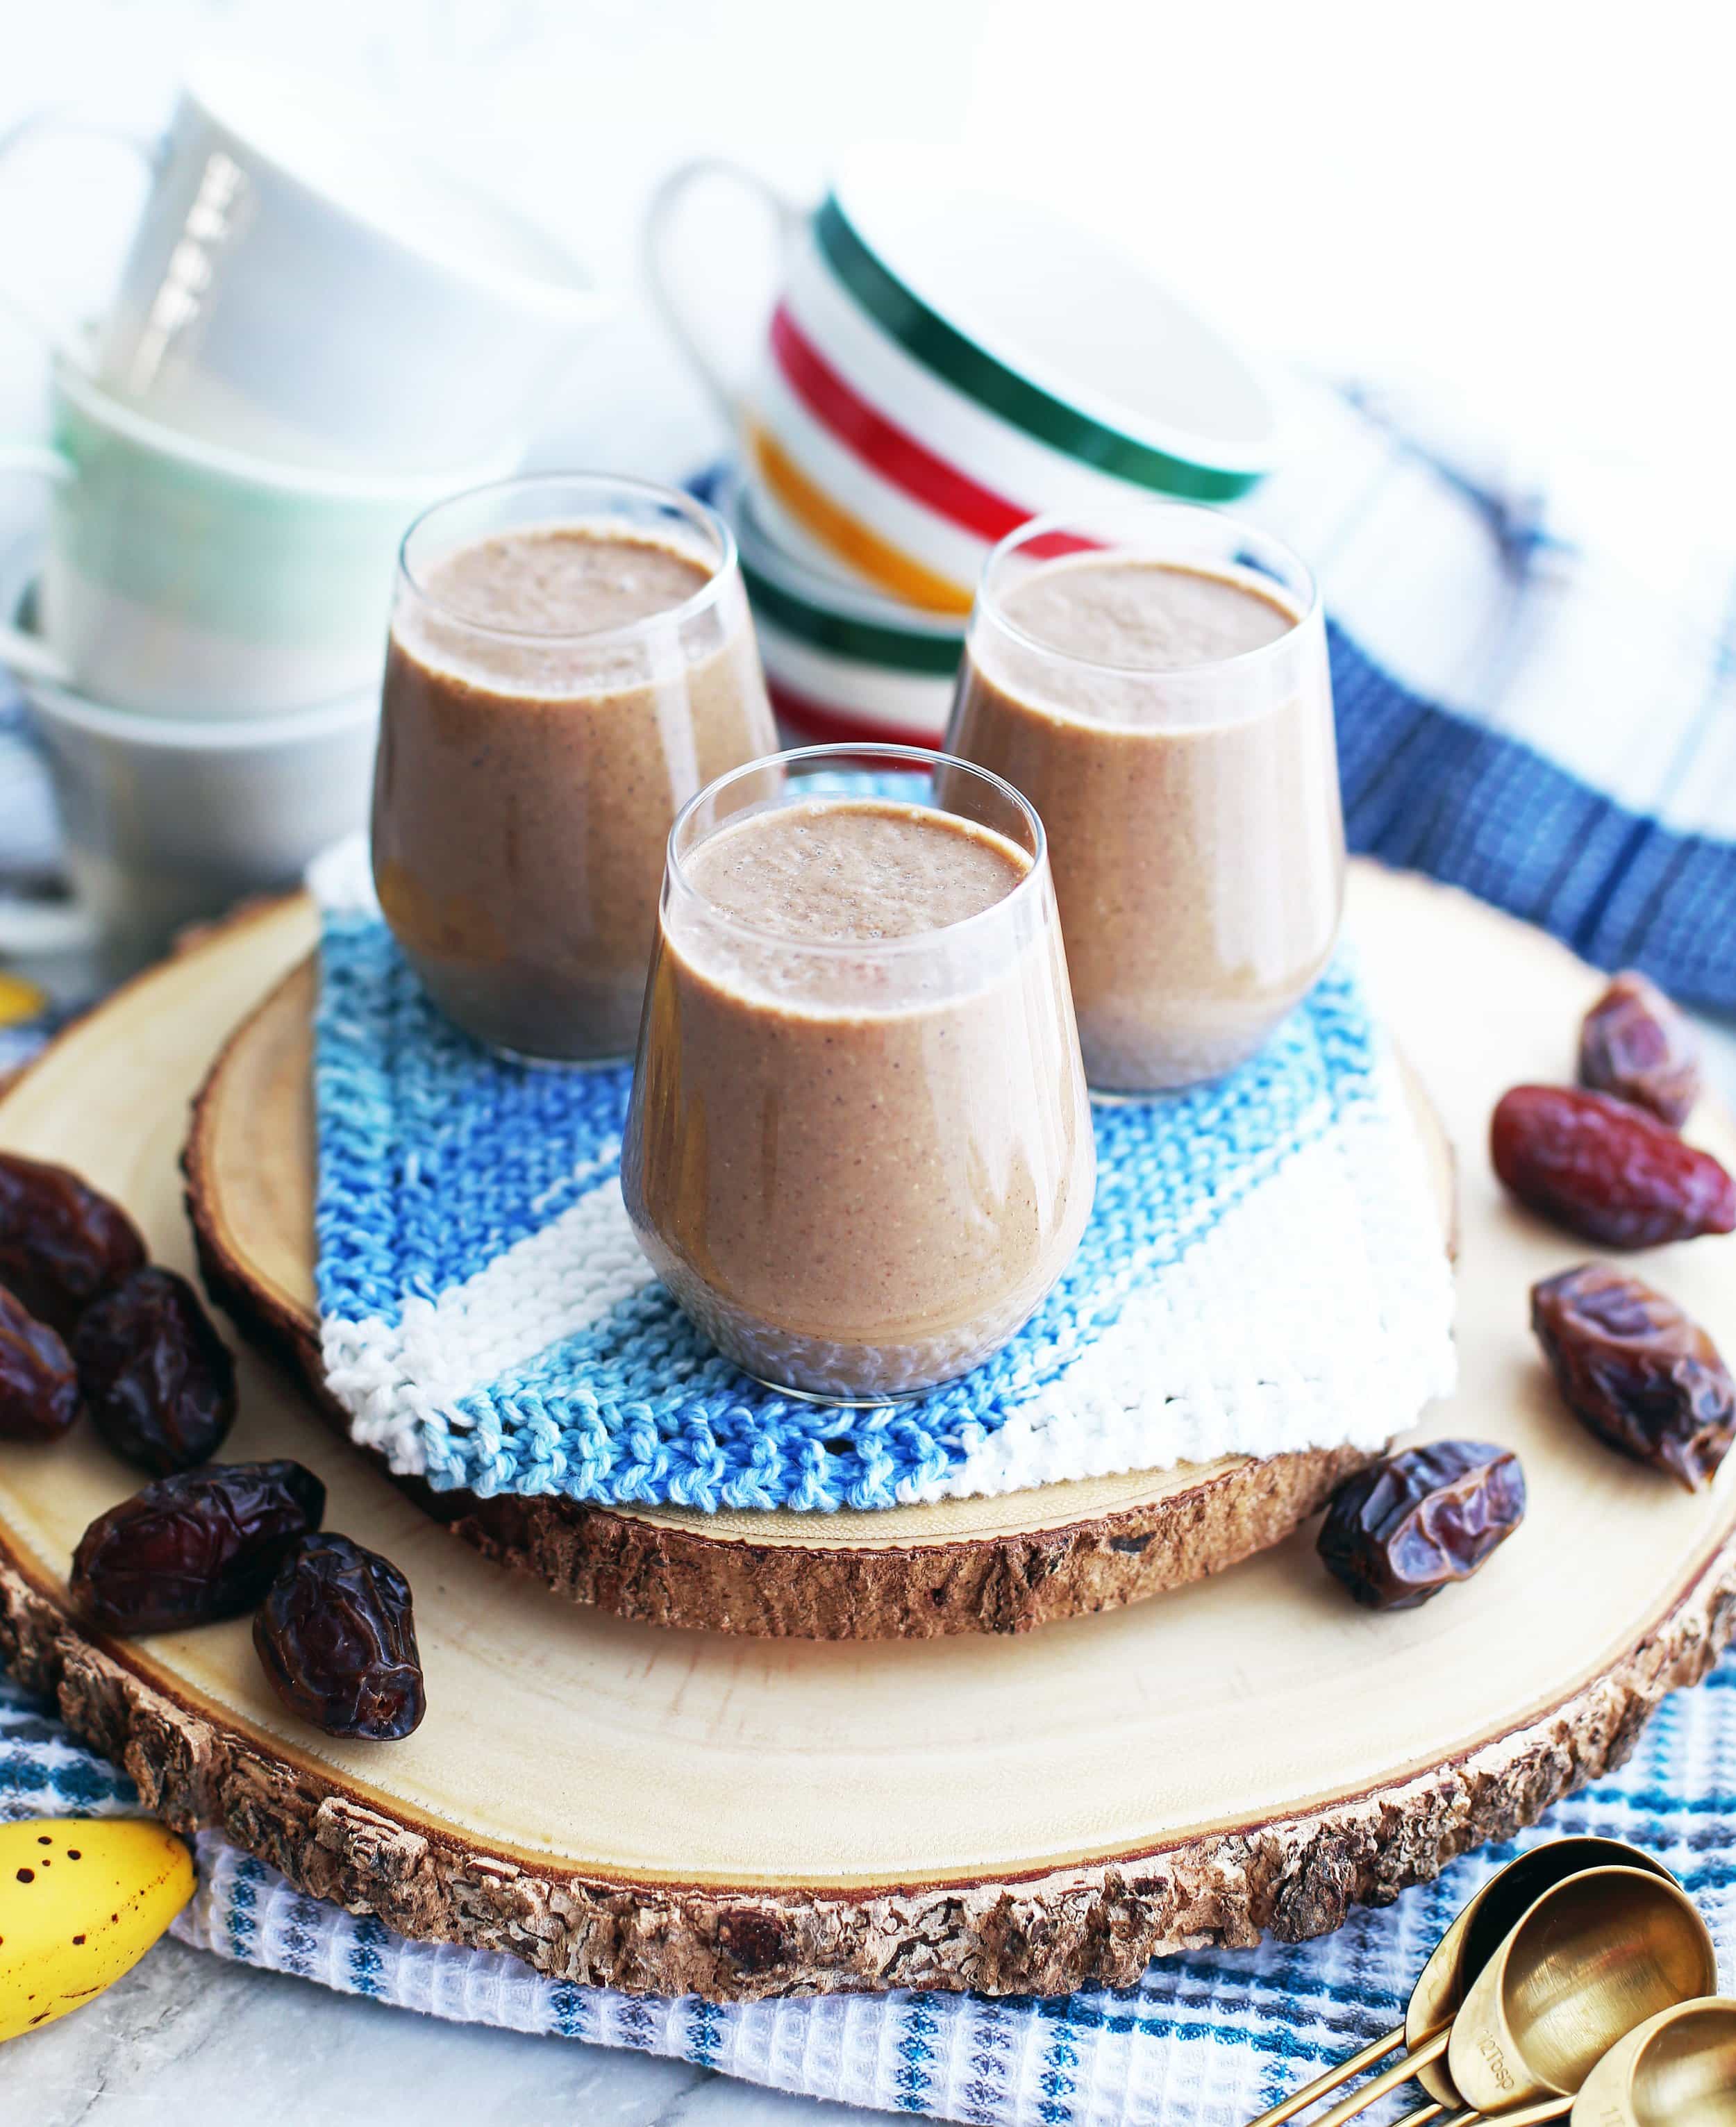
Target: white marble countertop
{"points": [[191, 2038]]}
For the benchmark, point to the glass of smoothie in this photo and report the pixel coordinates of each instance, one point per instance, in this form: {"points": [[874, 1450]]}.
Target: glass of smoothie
{"points": [[859, 1149], [570, 660], [1154, 679]]}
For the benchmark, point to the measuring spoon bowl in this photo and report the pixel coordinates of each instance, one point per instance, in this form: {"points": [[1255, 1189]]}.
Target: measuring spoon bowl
{"points": [[1488, 1920], [1461, 1955], [1678, 2069], [1594, 1957]]}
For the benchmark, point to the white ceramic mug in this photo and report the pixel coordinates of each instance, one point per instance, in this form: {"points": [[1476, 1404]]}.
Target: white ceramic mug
{"points": [[945, 362], [182, 579], [300, 288], [168, 821]]}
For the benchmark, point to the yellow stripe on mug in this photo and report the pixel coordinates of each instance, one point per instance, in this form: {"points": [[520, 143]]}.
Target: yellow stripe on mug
{"points": [[852, 541]]}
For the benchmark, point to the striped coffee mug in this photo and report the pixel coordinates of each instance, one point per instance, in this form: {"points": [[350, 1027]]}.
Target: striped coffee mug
{"points": [[841, 662], [943, 363]]}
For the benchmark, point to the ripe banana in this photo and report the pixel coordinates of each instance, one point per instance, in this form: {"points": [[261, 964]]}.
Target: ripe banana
{"points": [[81, 1899]]}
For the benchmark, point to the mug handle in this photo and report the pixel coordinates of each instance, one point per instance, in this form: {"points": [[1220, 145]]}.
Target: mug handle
{"points": [[27, 653], [660, 216], [50, 123]]}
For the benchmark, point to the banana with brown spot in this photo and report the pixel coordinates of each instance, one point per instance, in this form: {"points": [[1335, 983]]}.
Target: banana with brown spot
{"points": [[81, 1899]]}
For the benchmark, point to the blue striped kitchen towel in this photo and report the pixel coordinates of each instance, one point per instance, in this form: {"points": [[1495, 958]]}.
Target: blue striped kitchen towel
{"points": [[1536, 679], [1204, 2040], [1534, 674]]}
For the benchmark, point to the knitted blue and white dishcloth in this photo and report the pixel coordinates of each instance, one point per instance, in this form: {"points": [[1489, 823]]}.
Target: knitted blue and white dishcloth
{"points": [[1262, 1274]]}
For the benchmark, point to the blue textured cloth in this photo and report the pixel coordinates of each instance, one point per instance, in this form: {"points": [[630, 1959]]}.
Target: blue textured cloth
{"points": [[1534, 677], [1428, 790], [1204, 2040], [1534, 683]]}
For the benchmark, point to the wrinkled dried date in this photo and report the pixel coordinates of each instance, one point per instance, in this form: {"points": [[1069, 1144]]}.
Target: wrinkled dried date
{"points": [[39, 1390], [1635, 1045], [62, 1242], [1606, 1170], [1636, 1370], [1397, 1533], [158, 1381], [338, 1642], [190, 1549]]}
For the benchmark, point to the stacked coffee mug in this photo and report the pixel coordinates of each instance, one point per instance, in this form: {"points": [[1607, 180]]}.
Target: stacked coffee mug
{"points": [[315, 335], [943, 363]]}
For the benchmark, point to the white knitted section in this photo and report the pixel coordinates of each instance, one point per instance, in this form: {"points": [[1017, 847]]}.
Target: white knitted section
{"points": [[561, 1279], [1315, 1313]]}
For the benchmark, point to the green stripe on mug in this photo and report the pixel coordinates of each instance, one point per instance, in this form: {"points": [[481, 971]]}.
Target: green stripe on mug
{"points": [[934, 656], [923, 333]]}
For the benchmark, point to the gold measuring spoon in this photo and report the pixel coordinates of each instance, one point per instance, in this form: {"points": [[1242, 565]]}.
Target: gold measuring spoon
{"points": [[1462, 1953], [1486, 1923], [1677, 2070], [1593, 1959], [1595, 1955]]}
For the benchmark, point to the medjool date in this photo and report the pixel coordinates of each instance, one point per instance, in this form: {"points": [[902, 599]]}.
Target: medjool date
{"points": [[337, 1641], [1635, 1045], [194, 1548], [1606, 1170], [1397, 1533], [39, 1390], [1636, 1370], [62, 1242], [158, 1381]]}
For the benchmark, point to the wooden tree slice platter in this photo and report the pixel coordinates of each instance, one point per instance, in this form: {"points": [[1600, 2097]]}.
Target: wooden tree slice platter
{"points": [[993, 1564], [740, 1817]]}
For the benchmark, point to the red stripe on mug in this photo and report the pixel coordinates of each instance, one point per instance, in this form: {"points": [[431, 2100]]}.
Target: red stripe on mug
{"points": [[894, 453], [833, 726]]}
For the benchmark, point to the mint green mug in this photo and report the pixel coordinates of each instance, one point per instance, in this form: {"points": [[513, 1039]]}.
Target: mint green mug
{"points": [[185, 579]]}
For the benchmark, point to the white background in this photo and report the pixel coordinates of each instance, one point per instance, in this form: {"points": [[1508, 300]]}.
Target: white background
{"points": [[1526, 205]]}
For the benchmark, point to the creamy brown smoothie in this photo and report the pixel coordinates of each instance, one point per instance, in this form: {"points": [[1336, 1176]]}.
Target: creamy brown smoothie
{"points": [[552, 699], [1191, 801], [859, 1152]]}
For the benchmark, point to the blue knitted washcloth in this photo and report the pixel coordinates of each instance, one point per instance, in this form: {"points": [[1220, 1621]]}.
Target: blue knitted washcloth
{"points": [[1262, 1272]]}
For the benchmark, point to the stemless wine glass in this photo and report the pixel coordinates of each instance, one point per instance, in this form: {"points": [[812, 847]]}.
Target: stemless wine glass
{"points": [[570, 660], [860, 1147], [1154, 679]]}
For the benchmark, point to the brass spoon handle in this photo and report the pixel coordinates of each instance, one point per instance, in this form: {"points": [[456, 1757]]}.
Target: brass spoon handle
{"points": [[1389, 2078], [1522, 2116], [1322, 2085]]}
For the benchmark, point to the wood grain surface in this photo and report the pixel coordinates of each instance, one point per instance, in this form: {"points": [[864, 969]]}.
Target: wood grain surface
{"points": [[664, 1810]]}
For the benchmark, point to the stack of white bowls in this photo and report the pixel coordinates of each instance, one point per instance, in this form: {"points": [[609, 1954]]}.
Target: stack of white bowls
{"points": [[315, 335], [944, 363]]}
